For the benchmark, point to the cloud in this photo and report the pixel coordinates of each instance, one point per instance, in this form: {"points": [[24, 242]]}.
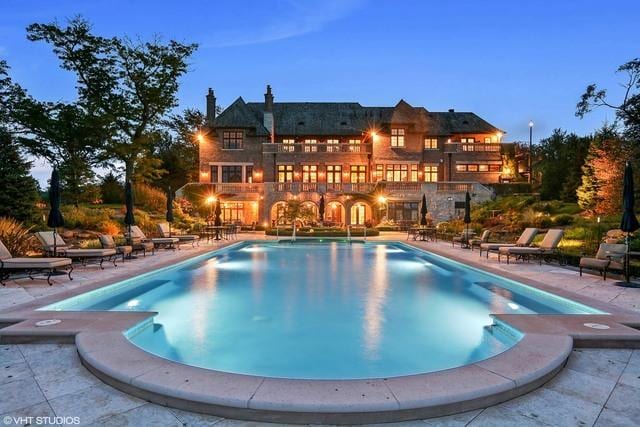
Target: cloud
{"points": [[283, 19]]}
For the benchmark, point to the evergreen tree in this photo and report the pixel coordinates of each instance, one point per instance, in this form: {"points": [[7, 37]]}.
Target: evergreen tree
{"points": [[19, 191]]}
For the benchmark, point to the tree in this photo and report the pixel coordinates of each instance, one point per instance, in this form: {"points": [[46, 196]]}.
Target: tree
{"points": [[111, 189], [296, 211], [67, 136], [19, 192], [628, 110], [559, 160], [601, 189], [132, 83], [178, 150]]}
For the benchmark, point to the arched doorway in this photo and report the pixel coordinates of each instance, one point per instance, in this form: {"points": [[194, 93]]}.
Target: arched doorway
{"points": [[277, 213], [313, 208], [334, 214]]}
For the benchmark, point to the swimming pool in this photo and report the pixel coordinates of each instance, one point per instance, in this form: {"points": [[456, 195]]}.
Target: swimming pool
{"points": [[323, 310]]}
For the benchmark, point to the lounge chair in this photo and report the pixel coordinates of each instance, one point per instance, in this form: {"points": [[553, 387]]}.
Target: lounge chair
{"points": [[18, 268], [107, 242], [548, 246], [610, 256], [524, 240], [165, 242], [463, 238], [163, 229], [83, 256], [484, 238]]}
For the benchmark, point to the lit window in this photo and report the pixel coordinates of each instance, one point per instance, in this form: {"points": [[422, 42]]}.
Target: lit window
{"points": [[414, 173], [495, 168], [431, 173], [430, 143], [397, 173], [472, 168], [397, 137], [232, 140], [288, 145], [233, 212], [334, 174], [461, 168], [469, 139], [309, 173], [379, 172], [310, 146], [358, 173], [285, 173], [332, 145], [483, 168], [354, 145]]}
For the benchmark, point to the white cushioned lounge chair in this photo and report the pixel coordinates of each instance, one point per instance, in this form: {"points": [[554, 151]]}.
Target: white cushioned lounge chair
{"points": [[548, 246], [163, 230], [610, 256], [107, 242], [17, 268], [525, 239], [83, 256]]}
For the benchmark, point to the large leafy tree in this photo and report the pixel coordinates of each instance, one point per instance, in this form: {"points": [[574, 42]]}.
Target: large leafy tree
{"points": [[132, 83], [560, 158]]}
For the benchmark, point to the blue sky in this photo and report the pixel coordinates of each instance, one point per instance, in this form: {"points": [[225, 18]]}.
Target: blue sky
{"points": [[508, 61]]}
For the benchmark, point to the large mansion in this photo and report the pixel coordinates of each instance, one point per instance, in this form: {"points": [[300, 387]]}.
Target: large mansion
{"points": [[368, 162]]}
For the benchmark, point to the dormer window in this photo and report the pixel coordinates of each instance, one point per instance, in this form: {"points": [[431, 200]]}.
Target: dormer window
{"points": [[468, 140], [397, 137], [232, 140]]}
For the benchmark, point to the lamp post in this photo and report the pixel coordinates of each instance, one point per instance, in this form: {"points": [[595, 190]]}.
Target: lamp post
{"points": [[530, 150]]}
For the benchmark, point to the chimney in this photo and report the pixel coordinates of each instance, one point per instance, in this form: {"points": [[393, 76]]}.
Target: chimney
{"points": [[451, 110], [268, 113], [211, 106]]}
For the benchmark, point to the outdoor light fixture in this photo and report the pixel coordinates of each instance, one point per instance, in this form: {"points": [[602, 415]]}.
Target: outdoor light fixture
{"points": [[200, 137], [382, 199], [211, 199], [530, 149]]}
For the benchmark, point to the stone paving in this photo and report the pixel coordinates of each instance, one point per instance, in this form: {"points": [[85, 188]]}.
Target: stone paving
{"points": [[598, 386]]}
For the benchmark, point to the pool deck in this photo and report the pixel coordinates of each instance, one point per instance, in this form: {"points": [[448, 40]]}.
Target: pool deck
{"points": [[535, 360]]}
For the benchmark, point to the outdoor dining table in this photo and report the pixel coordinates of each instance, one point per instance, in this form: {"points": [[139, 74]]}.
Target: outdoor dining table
{"points": [[425, 233], [213, 232]]}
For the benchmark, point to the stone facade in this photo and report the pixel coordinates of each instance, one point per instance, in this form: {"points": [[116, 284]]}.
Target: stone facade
{"points": [[368, 162]]}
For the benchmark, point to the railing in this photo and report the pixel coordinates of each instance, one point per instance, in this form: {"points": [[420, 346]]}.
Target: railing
{"points": [[410, 187], [315, 148], [454, 187], [476, 147], [349, 227]]}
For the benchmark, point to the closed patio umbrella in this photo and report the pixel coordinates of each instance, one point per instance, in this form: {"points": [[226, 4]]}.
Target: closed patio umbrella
{"points": [[170, 218], [321, 209], [55, 218], [423, 211], [129, 219], [467, 214], [629, 222]]}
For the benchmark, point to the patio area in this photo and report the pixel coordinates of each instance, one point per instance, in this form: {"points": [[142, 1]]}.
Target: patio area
{"points": [[596, 387]]}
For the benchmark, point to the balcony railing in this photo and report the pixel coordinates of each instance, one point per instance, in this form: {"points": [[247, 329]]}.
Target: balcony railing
{"points": [[315, 148], [475, 147], [454, 187], [233, 187]]}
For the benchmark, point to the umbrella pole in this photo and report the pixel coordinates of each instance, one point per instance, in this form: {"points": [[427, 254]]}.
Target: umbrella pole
{"points": [[626, 260], [55, 246]]}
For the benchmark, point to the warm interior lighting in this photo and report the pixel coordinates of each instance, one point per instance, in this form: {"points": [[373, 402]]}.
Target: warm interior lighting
{"points": [[499, 135], [211, 199]]}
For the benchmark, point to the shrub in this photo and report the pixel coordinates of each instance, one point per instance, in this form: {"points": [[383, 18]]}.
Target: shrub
{"points": [[86, 218], [149, 198], [109, 227], [16, 237], [563, 219]]}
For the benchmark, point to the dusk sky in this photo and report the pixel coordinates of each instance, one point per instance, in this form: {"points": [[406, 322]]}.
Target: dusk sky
{"points": [[507, 61]]}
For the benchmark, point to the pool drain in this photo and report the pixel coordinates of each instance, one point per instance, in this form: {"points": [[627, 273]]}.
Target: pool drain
{"points": [[48, 322], [596, 326]]}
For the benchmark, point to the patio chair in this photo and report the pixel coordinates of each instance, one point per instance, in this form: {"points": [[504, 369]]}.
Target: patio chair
{"points": [[107, 242], [548, 246], [610, 256], [484, 238], [163, 230], [463, 238], [19, 268], [83, 256], [525, 239], [412, 232], [158, 242]]}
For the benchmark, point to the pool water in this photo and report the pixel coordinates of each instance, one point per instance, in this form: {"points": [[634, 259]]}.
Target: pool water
{"points": [[323, 310]]}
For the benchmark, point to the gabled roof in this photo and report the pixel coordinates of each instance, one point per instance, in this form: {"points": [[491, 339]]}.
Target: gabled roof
{"points": [[347, 118]]}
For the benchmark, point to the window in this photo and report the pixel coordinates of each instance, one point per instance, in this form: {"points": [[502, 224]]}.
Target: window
{"points": [[231, 173], [495, 168], [478, 167], [233, 212], [288, 145], [332, 145], [309, 173], [430, 143], [483, 168], [403, 211], [249, 174], [358, 173], [334, 174], [397, 137], [469, 139], [285, 173], [310, 146], [431, 173], [491, 139], [414, 173], [214, 173], [472, 168], [397, 173], [461, 168], [354, 145], [232, 140], [379, 176]]}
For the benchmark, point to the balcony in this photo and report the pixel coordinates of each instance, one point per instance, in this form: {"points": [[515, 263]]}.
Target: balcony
{"points": [[315, 148], [474, 147]]}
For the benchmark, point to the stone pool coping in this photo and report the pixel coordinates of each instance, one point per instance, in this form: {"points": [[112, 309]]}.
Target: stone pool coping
{"points": [[537, 357]]}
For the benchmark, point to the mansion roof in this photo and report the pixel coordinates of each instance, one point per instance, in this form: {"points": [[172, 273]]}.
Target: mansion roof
{"points": [[347, 118]]}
